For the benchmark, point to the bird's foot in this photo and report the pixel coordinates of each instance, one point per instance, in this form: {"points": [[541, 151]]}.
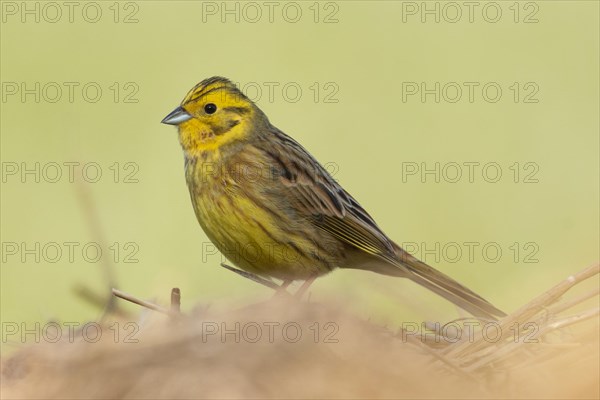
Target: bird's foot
{"points": [[282, 290], [300, 292]]}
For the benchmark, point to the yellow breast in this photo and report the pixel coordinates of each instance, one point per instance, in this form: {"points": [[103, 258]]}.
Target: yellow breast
{"points": [[243, 229]]}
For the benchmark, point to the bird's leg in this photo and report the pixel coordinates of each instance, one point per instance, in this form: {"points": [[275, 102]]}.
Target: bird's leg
{"points": [[304, 287], [282, 288]]}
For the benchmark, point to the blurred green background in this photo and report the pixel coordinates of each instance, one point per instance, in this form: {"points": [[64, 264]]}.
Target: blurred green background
{"points": [[353, 62]]}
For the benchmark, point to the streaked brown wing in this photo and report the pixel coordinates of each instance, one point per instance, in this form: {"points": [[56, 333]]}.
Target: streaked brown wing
{"points": [[313, 192]]}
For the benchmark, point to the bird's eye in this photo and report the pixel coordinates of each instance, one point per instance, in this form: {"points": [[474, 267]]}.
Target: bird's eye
{"points": [[210, 108]]}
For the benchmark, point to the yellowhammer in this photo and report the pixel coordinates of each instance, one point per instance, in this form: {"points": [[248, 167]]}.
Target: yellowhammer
{"points": [[273, 210]]}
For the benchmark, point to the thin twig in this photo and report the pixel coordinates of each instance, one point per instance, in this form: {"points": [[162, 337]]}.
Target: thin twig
{"points": [[176, 300], [565, 305], [509, 347], [143, 303], [525, 313], [573, 319], [93, 221], [428, 349]]}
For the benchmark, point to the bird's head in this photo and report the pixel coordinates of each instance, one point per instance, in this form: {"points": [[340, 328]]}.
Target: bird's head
{"points": [[213, 114]]}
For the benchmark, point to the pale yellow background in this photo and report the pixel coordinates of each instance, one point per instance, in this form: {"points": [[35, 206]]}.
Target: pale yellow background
{"points": [[366, 136]]}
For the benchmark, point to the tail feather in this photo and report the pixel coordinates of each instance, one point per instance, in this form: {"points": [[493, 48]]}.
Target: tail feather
{"points": [[406, 265], [436, 281], [476, 306]]}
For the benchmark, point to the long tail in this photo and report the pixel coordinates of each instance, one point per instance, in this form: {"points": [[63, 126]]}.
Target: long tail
{"points": [[410, 267]]}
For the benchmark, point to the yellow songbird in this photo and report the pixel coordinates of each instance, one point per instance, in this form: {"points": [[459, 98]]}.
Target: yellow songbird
{"points": [[274, 211]]}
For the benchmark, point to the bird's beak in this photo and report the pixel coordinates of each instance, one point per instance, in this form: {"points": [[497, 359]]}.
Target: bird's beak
{"points": [[176, 117]]}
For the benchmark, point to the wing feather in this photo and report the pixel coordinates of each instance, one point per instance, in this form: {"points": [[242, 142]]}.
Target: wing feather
{"points": [[312, 189]]}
